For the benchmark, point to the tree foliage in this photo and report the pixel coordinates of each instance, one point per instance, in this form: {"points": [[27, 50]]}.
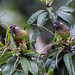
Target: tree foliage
{"points": [[58, 59]]}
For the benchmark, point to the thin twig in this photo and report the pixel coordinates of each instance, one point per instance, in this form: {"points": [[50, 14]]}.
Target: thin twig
{"points": [[57, 57], [3, 52], [48, 30], [19, 70], [46, 47], [45, 29], [16, 60], [31, 41], [3, 14]]}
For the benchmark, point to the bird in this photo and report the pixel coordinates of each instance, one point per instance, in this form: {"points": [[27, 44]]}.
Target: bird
{"points": [[61, 30], [20, 36]]}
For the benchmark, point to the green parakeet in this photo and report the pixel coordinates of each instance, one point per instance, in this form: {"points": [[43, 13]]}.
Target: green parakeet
{"points": [[20, 36], [61, 30]]}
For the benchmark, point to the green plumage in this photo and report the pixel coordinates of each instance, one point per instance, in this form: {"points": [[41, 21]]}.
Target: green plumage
{"points": [[20, 36]]}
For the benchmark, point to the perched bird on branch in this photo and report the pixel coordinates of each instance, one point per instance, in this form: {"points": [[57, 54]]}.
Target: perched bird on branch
{"points": [[20, 36], [61, 30]]}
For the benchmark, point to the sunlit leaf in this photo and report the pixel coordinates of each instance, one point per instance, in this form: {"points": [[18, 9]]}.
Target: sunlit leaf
{"points": [[66, 9], [1, 45], [68, 63], [49, 71], [34, 17], [25, 65], [41, 19], [43, 1], [9, 34], [52, 15], [5, 57], [9, 68], [66, 16]]}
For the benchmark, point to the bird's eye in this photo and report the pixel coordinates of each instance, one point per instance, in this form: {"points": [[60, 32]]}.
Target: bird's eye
{"points": [[54, 24], [11, 26]]}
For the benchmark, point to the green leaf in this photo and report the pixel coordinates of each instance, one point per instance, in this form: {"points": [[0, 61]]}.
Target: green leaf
{"points": [[1, 45], [41, 67], [34, 17], [49, 71], [34, 67], [18, 73], [31, 53], [47, 64], [66, 16], [9, 68], [52, 53], [35, 35], [9, 34], [68, 63], [5, 57], [66, 9], [43, 1], [41, 19], [25, 65], [68, 2], [52, 15], [53, 65], [73, 59]]}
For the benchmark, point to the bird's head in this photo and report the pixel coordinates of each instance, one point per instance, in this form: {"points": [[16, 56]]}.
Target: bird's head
{"points": [[15, 29], [57, 24]]}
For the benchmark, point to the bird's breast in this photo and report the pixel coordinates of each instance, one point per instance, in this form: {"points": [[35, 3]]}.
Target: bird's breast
{"points": [[18, 41]]}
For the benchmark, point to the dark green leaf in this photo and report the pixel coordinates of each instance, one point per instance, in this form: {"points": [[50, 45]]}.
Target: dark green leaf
{"points": [[47, 64], [52, 53], [5, 57], [52, 15], [1, 45], [66, 16], [40, 67], [66, 9], [35, 35], [68, 2], [25, 65], [34, 17], [9, 68], [73, 59], [41, 19], [68, 63], [31, 53], [53, 65], [18, 73], [34, 67]]}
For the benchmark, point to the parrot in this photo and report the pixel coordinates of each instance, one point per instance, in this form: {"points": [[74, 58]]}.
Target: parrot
{"points": [[61, 30], [20, 36]]}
